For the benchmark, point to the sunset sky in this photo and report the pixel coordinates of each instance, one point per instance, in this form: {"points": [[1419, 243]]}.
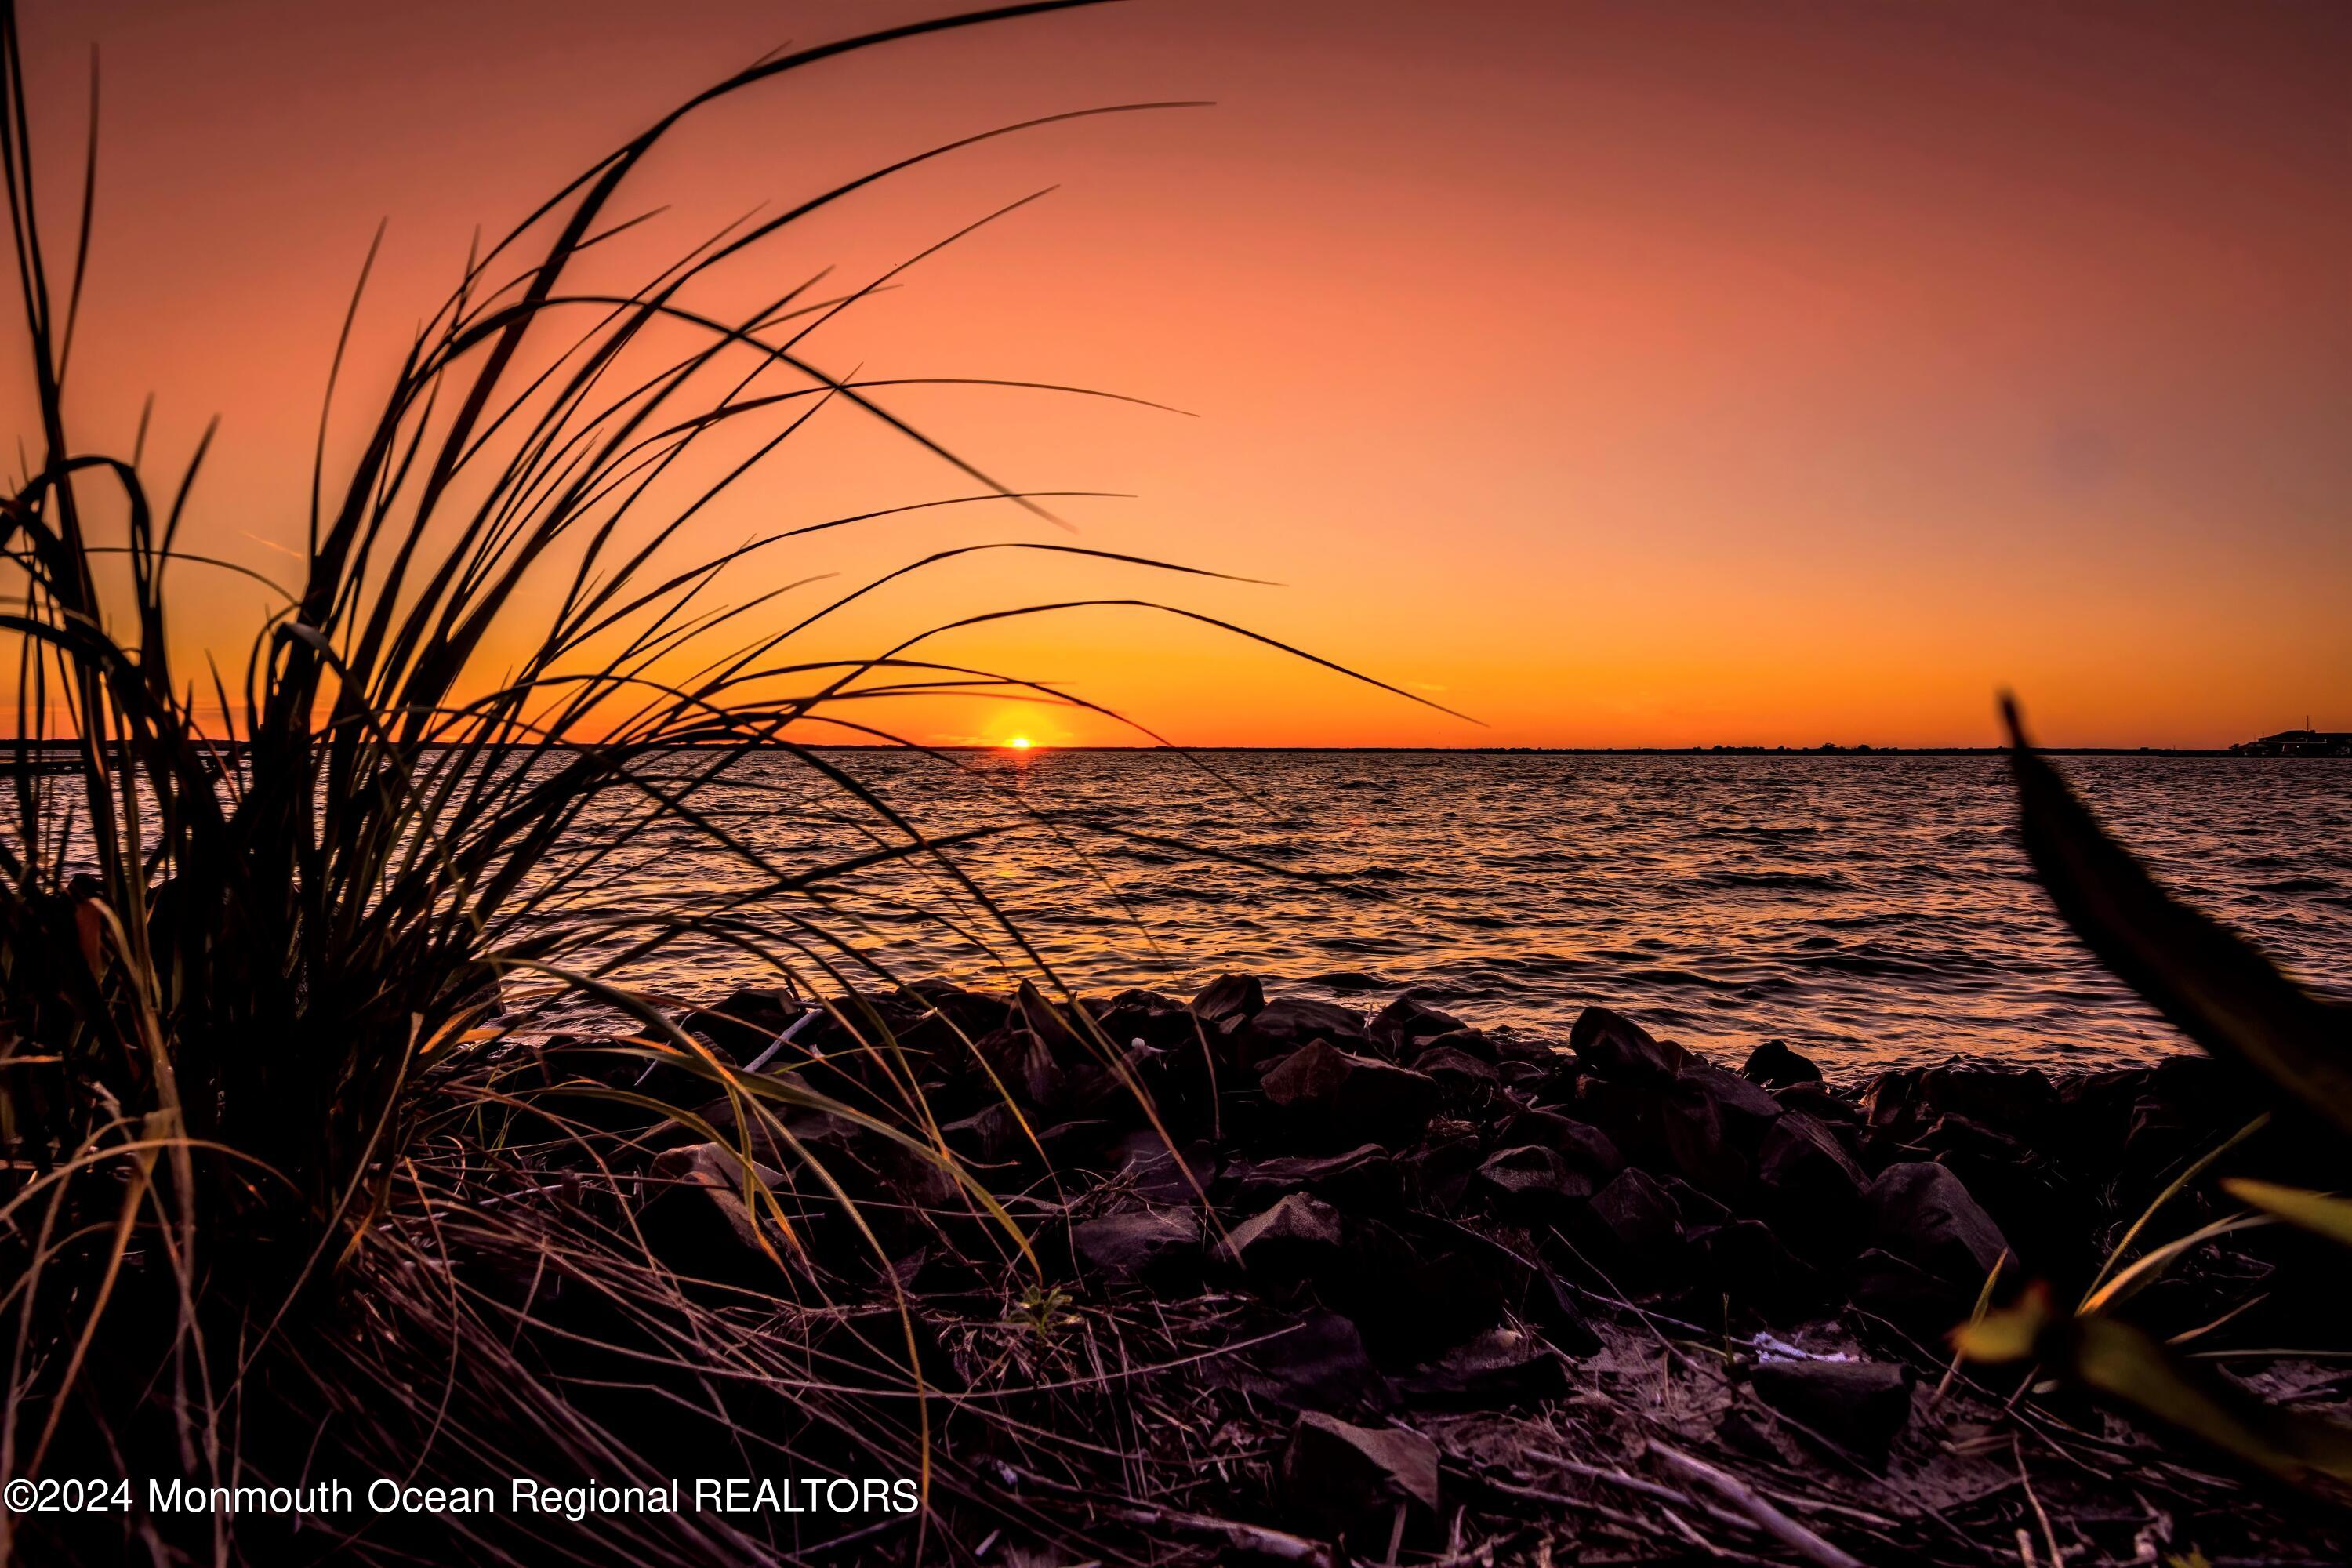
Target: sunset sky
{"points": [[1619, 375]]}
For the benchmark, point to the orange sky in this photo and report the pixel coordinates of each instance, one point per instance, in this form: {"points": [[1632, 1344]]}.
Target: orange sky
{"points": [[1621, 375]]}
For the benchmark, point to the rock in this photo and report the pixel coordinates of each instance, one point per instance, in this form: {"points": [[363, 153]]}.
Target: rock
{"points": [[1288, 1242], [1475, 1043], [1336, 1474], [1905, 1294], [1294, 1020], [1810, 1186], [1365, 1178], [1585, 1147], [1889, 1101], [1713, 1123], [744, 1024], [695, 1220], [1412, 1303], [1499, 1370], [989, 1136], [1612, 1047], [1922, 1212], [1467, 1083], [2019, 1102], [1139, 1243], [1158, 1174], [1320, 1365], [1331, 1091], [1532, 1179], [1228, 1000], [1400, 1027], [1628, 1112], [1748, 1261], [1636, 1219], [1553, 1303], [1774, 1065], [1147, 1015], [1860, 1406], [1818, 1101]]}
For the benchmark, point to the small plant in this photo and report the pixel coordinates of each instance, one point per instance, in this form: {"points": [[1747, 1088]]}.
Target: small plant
{"points": [[2226, 996]]}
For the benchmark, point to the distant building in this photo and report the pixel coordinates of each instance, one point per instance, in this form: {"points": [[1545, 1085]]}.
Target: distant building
{"points": [[2298, 744]]}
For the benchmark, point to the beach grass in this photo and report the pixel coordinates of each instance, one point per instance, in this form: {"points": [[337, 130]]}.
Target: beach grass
{"points": [[300, 1176]]}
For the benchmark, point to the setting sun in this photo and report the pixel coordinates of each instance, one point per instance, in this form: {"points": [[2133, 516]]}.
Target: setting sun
{"points": [[1019, 743]]}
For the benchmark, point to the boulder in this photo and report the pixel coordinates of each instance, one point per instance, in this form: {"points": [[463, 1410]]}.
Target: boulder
{"points": [[1584, 1146], [1501, 1369], [1365, 1178], [1635, 1219], [1810, 1186], [1318, 1365], [1330, 1091], [1922, 1212], [1818, 1101], [1139, 1243], [1532, 1179], [1288, 1242], [1289, 1021], [696, 1222], [1228, 1000], [1748, 1261], [1612, 1046], [1162, 1176], [1773, 1065], [2020, 1102], [1400, 1027], [1713, 1123], [1885, 1286], [743, 1026], [1860, 1406], [1336, 1474], [1467, 1083]]}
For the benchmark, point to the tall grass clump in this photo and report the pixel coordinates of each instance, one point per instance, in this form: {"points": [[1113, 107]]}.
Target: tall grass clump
{"points": [[289, 1192]]}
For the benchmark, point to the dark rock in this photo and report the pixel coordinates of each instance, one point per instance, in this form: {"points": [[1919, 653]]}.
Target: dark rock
{"points": [[1905, 1294], [1532, 1179], [1228, 1000], [1437, 1174], [2020, 1102], [1320, 1365], [1889, 1101], [971, 1013], [1400, 1027], [1138, 1243], [1552, 1303], [1365, 1178], [1775, 1066], [1812, 1187], [1612, 1046], [1713, 1123], [1696, 1207], [1410, 1301], [1158, 1174], [1330, 1091], [1748, 1261], [1475, 1043], [1147, 1015], [989, 1136], [1637, 1219], [1294, 1020], [1923, 1212], [1627, 1112], [1467, 1083], [1288, 1242], [745, 1023], [1818, 1101], [1499, 1370], [1336, 1474], [1860, 1406], [696, 1222], [1585, 1147]]}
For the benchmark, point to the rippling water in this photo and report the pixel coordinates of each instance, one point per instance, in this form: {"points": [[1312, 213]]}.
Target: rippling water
{"points": [[1864, 909]]}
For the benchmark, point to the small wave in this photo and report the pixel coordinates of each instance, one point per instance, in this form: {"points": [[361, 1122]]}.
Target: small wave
{"points": [[1820, 882]]}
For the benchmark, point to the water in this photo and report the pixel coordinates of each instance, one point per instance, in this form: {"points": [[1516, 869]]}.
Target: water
{"points": [[1867, 909]]}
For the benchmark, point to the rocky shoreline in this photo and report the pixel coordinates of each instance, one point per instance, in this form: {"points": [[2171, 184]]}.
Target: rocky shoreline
{"points": [[1390, 1287]]}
